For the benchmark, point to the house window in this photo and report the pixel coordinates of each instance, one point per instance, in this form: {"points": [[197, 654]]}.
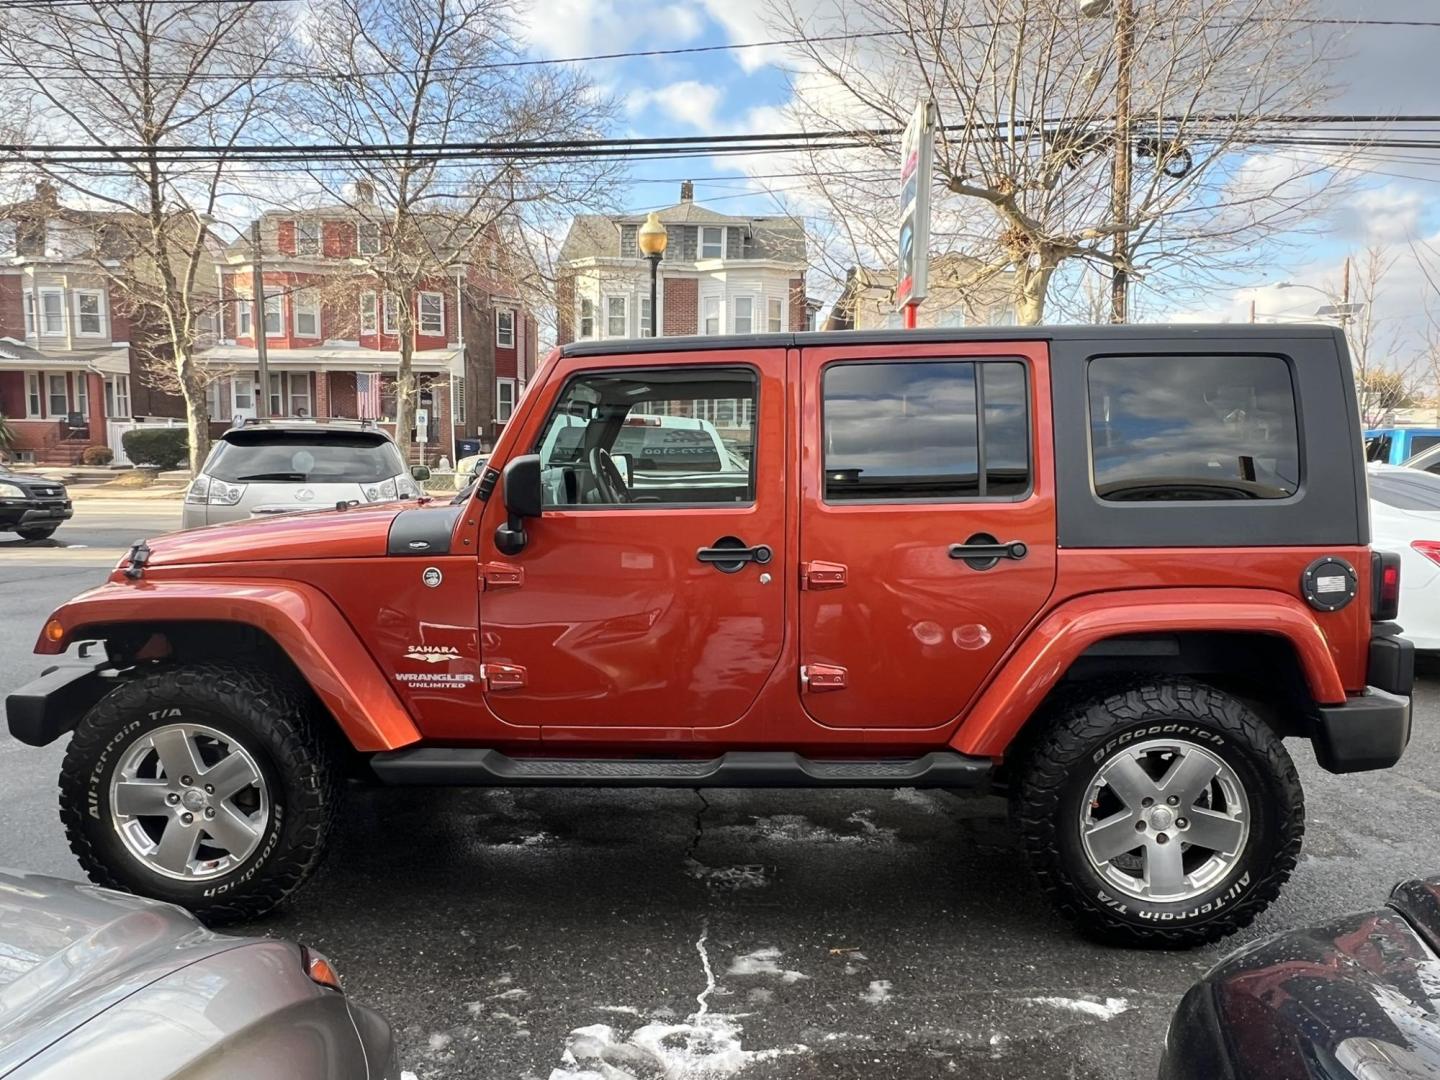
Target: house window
{"points": [[117, 395], [587, 318], [214, 407], [617, 322], [391, 314], [367, 238], [504, 399], [274, 317], [29, 314], [307, 314], [711, 315], [300, 393], [744, 314], [775, 315], [712, 242], [57, 394], [307, 237], [290, 393], [7, 238], [367, 313], [457, 402], [32, 394], [505, 329], [244, 315], [645, 316], [82, 394], [432, 314], [52, 311], [90, 313]]}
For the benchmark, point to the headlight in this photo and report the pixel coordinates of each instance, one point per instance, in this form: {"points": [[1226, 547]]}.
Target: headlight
{"points": [[223, 494], [381, 492], [199, 490], [10, 491]]}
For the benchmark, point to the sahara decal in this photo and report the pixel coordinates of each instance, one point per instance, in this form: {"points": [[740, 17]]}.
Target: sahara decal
{"points": [[432, 654]]}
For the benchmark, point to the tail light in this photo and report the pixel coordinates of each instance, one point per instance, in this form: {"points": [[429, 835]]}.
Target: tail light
{"points": [[319, 969], [1384, 585], [1429, 548]]}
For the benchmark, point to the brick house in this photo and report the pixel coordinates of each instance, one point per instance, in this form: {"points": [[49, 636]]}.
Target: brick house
{"points": [[331, 341], [65, 367], [721, 274]]}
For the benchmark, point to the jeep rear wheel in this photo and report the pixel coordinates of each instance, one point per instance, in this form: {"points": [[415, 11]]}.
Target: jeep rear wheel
{"points": [[205, 785], [1164, 813]]}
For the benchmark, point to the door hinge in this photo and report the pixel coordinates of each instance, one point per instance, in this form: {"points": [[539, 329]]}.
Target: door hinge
{"points": [[817, 678], [502, 676], [499, 575], [822, 575]]}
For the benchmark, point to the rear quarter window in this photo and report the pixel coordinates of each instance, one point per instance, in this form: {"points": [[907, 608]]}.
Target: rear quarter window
{"points": [[1191, 428]]}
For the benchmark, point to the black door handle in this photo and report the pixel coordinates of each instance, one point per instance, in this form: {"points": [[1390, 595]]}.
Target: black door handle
{"points": [[1013, 549], [730, 554]]}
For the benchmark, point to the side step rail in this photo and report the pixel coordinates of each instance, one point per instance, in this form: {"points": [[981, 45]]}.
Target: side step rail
{"points": [[449, 767]]}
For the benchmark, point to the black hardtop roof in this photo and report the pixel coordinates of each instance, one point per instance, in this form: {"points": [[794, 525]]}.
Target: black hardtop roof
{"points": [[1130, 333]]}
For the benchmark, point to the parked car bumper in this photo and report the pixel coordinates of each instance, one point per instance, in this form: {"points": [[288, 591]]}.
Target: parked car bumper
{"points": [[25, 513]]}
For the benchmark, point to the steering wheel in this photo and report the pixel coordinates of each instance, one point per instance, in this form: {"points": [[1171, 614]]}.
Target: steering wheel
{"points": [[608, 480]]}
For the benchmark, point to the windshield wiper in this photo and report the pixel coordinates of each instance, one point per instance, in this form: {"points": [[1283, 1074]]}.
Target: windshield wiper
{"points": [[270, 476]]}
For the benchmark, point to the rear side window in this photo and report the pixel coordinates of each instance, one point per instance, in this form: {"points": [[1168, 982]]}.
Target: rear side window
{"points": [[914, 431], [1406, 489], [1420, 443], [1181, 428], [1377, 448], [323, 458]]}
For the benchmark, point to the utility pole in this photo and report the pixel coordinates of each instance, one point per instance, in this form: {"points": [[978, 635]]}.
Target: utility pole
{"points": [[257, 323], [1345, 294], [1120, 185], [1252, 309]]}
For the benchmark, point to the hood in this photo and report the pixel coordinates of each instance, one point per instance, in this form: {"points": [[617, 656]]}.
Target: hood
{"points": [[1419, 901], [330, 534], [70, 951]]}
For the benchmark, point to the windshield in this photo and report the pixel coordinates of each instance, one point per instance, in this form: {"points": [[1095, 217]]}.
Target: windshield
{"points": [[290, 457], [1406, 489]]}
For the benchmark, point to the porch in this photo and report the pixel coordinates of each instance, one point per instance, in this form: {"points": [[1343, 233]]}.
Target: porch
{"points": [[55, 412]]}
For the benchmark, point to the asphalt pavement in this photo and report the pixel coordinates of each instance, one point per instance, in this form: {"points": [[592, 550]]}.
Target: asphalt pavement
{"points": [[788, 934]]}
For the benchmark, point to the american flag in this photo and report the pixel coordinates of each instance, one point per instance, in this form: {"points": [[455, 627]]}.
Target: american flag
{"points": [[367, 396]]}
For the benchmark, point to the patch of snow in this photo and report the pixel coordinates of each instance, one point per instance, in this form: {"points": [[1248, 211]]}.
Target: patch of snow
{"points": [[628, 1010], [408, 1075], [708, 1048], [475, 1008], [1100, 1010], [700, 998], [878, 993], [510, 995], [759, 995], [735, 878], [439, 1041], [797, 828], [763, 962], [921, 800], [869, 830]]}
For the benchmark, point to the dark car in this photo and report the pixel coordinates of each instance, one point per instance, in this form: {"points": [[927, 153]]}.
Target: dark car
{"points": [[95, 983], [1356, 997], [32, 506]]}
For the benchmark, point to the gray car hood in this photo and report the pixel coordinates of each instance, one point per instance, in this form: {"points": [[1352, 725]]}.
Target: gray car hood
{"points": [[70, 951]]}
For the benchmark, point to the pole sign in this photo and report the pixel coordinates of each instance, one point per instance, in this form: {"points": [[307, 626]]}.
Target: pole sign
{"points": [[422, 425], [917, 147]]}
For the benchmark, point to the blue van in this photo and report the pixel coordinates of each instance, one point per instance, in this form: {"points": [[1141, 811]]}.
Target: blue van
{"points": [[1396, 445]]}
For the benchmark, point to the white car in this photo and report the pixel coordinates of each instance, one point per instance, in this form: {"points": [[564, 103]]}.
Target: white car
{"points": [[1405, 518]]}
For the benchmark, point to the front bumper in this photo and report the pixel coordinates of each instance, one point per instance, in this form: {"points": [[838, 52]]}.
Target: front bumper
{"points": [[23, 513], [45, 708]]}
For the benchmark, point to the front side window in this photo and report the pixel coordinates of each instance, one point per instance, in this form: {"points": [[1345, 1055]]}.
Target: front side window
{"points": [[744, 314], [660, 430], [432, 314], [1180, 428], [616, 323], [307, 315], [274, 317], [911, 431], [587, 318], [712, 242], [505, 329], [307, 237], [90, 313]]}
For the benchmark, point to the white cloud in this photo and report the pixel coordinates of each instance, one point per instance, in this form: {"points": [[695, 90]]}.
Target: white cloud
{"points": [[686, 102], [588, 27]]}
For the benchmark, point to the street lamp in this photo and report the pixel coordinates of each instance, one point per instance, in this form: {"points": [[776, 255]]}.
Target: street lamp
{"points": [[652, 239]]}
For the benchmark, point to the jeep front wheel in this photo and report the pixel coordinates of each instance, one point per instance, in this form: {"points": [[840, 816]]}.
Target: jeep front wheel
{"points": [[1165, 813], [205, 785]]}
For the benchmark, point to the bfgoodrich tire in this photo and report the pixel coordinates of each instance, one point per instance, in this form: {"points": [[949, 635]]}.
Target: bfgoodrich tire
{"points": [[207, 785], [1163, 813]]}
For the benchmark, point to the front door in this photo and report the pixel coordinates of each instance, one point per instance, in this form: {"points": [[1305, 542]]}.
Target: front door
{"points": [[626, 621], [927, 528], [242, 390]]}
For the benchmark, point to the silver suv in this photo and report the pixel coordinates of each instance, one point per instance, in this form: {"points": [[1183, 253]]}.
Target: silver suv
{"points": [[289, 466]]}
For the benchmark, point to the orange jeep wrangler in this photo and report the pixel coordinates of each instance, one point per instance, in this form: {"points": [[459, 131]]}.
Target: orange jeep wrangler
{"points": [[1107, 571]]}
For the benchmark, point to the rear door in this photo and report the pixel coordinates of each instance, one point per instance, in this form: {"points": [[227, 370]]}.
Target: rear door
{"points": [[927, 529]]}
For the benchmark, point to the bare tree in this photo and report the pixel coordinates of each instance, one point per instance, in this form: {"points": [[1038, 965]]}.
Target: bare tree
{"points": [[416, 76], [1025, 95], [138, 84]]}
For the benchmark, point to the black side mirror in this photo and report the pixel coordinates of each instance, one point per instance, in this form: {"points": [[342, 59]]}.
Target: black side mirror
{"points": [[523, 494], [420, 473]]}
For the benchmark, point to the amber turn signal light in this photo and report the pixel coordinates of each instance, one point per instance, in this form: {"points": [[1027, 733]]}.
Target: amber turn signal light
{"points": [[320, 969], [54, 631]]}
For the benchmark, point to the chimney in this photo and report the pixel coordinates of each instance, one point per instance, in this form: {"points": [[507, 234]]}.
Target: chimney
{"points": [[687, 191], [45, 193], [365, 192]]}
